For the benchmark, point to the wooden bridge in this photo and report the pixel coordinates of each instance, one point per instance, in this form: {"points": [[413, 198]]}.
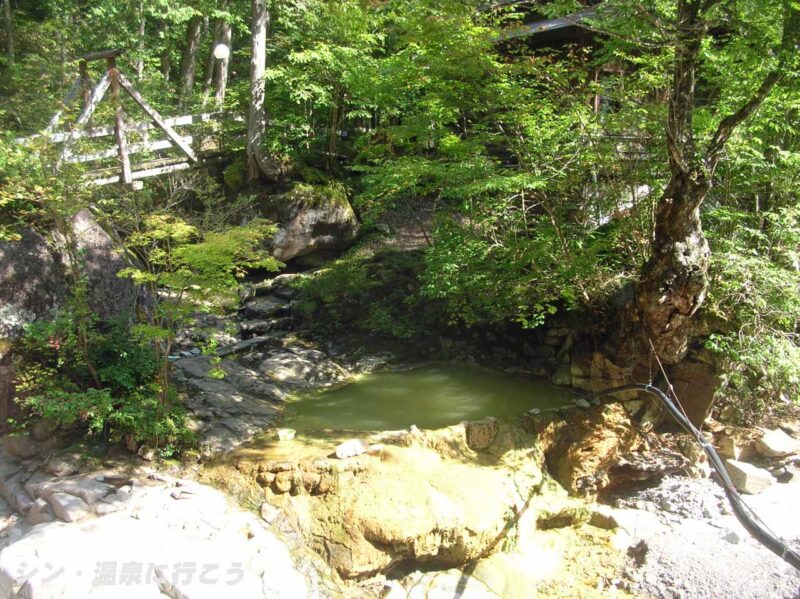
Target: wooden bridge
{"points": [[113, 164]]}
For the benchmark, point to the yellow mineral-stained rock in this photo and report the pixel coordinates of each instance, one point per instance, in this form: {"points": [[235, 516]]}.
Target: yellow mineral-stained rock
{"points": [[581, 446]]}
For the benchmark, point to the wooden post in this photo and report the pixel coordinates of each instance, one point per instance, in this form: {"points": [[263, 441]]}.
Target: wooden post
{"points": [[119, 123], [97, 94]]}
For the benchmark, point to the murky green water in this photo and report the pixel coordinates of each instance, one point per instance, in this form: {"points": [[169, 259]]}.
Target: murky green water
{"points": [[429, 396]]}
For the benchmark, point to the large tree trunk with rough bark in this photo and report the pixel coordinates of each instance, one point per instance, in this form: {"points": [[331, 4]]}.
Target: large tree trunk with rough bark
{"points": [[674, 281], [189, 59], [258, 163]]}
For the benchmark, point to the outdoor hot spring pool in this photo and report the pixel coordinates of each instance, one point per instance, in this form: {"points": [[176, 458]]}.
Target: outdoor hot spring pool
{"points": [[429, 396]]}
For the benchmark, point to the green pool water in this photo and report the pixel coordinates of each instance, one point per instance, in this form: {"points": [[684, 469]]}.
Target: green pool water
{"points": [[429, 396]]}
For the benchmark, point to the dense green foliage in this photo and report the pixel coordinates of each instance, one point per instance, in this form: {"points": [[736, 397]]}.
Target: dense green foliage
{"points": [[55, 382], [368, 298], [185, 272], [537, 166], [756, 304]]}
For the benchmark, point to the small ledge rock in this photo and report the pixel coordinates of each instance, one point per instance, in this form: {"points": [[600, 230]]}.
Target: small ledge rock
{"points": [[351, 448], [39, 512], [776, 444], [68, 507], [481, 433], [748, 478]]}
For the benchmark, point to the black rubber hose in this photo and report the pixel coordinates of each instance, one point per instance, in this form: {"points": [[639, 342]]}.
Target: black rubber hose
{"points": [[749, 519]]}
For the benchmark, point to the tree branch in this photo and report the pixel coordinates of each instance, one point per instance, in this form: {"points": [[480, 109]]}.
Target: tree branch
{"points": [[708, 5], [789, 39], [733, 120]]}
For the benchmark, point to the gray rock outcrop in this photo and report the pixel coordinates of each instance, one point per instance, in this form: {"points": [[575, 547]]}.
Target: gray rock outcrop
{"points": [[109, 295], [32, 282], [311, 218]]}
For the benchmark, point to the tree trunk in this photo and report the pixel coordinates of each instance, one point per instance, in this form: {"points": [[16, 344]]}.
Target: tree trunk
{"points": [[217, 70], [674, 280], [140, 42], [224, 65], [189, 59], [208, 80], [9, 31], [166, 62], [258, 164]]}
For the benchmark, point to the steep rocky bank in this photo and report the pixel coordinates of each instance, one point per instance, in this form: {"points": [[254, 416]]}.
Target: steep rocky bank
{"points": [[487, 508]]}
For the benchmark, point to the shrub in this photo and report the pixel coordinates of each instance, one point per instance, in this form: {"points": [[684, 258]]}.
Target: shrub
{"points": [[369, 297], [55, 383], [755, 302]]}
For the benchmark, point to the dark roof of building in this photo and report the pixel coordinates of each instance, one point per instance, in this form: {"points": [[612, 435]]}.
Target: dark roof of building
{"points": [[545, 25]]}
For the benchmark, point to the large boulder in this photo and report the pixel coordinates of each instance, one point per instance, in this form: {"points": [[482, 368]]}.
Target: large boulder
{"points": [[32, 282], [109, 295], [311, 218], [34, 275]]}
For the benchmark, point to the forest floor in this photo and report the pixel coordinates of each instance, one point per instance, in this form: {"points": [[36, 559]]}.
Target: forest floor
{"points": [[403, 229]]}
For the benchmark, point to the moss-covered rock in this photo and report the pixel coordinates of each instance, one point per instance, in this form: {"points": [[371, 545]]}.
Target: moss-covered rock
{"points": [[311, 218]]}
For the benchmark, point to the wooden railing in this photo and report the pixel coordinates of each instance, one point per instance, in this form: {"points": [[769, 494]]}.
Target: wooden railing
{"points": [[189, 146]]}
